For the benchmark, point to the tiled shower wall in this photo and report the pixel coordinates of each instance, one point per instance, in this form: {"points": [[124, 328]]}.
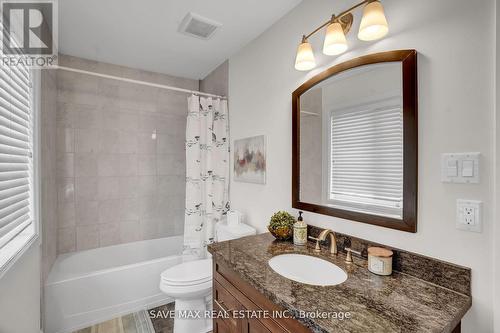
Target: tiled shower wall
{"points": [[48, 198], [120, 156]]}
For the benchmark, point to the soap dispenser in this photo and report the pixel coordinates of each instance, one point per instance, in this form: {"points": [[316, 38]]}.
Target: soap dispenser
{"points": [[300, 231]]}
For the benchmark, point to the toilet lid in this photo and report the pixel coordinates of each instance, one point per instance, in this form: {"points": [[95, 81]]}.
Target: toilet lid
{"points": [[188, 273]]}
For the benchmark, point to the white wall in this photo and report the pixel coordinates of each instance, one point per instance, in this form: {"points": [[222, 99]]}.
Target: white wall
{"points": [[20, 294], [455, 40], [496, 249]]}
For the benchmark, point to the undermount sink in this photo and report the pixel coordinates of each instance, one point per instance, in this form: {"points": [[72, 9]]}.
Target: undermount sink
{"points": [[307, 269]]}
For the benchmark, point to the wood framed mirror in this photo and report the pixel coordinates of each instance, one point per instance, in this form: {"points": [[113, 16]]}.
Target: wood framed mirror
{"points": [[355, 141]]}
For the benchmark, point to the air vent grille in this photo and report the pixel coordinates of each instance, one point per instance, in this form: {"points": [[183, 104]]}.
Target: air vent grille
{"points": [[198, 26]]}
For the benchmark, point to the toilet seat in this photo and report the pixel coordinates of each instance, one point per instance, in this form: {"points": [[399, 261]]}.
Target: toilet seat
{"points": [[189, 273], [189, 280]]}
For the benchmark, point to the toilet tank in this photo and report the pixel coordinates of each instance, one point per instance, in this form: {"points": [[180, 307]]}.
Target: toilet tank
{"points": [[224, 232]]}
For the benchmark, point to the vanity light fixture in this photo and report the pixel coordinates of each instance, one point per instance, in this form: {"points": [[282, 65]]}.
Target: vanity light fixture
{"points": [[305, 57], [373, 26]]}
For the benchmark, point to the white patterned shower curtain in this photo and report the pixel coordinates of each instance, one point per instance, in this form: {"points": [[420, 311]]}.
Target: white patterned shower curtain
{"points": [[207, 168]]}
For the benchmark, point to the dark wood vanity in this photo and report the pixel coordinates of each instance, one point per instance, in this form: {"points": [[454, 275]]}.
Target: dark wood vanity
{"points": [[231, 293], [421, 295]]}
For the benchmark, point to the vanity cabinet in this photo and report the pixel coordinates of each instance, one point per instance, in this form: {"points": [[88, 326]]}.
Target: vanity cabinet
{"points": [[234, 297]]}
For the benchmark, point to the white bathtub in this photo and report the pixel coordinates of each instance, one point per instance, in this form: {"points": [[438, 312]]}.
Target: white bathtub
{"points": [[88, 287]]}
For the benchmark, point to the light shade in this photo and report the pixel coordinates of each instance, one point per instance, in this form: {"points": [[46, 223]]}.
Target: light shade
{"points": [[305, 57], [335, 42], [373, 24]]}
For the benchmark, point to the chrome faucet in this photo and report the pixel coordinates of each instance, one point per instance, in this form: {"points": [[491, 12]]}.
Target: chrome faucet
{"points": [[322, 238]]}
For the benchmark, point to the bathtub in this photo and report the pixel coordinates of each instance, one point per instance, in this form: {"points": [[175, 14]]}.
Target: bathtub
{"points": [[88, 287]]}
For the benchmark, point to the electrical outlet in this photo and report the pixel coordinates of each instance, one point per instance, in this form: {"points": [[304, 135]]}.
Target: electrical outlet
{"points": [[469, 215]]}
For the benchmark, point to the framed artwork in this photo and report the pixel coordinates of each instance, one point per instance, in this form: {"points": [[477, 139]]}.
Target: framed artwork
{"points": [[250, 160]]}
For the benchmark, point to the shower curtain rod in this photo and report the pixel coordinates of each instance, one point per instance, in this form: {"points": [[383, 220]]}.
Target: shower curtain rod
{"points": [[144, 83]]}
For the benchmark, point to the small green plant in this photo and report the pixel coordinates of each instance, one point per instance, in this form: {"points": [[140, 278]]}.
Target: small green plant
{"points": [[281, 225]]}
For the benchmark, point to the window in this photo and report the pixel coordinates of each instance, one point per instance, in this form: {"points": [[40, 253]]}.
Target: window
{"points": [[17, 119], [366, 158]]}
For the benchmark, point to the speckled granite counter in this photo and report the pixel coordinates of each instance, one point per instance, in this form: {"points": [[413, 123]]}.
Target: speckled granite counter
{"points": [[397, 303]]}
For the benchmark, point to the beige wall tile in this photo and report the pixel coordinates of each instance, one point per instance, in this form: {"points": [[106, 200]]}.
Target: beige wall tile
{"points": [[128, 121], [64, 165], [108, 188], [87, 237], [65, 142], [65, 116], [169, 185], [128, 165], [148, 207], [128, 187], [130, 231], [87, 212], [88, 117], [171, 164], [65, 189], [110, 210], [86, 188], [66, 214], [129, 209], [110, 141], [66, 240], [146, 144], [85, 165], [147, 186], [128, 142], [108, 165], [146, 165], [150, 228], [111, 195], [170, 144], [110, 117], [109, 234], [87, 141]]}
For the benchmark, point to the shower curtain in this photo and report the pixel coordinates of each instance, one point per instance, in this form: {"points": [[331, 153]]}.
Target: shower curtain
{"points": [[207, 169]]}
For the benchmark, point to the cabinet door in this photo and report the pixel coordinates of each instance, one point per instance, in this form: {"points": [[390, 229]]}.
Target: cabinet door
{"points": [[220, 326], [255, 326], [225, 303]]}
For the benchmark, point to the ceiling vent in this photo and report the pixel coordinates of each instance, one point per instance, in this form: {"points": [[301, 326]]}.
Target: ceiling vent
{"points": [[198, 26]]}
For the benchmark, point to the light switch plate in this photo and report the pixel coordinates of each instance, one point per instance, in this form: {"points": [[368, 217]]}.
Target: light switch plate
{"points": [[469, 215], [460, 168]]}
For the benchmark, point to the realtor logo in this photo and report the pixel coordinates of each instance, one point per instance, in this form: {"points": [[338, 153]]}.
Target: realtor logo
{"points": [[29, 33]]}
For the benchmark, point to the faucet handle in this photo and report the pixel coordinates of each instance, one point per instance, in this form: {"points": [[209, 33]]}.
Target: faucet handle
{"points": [[348, 258], [316, 248]]}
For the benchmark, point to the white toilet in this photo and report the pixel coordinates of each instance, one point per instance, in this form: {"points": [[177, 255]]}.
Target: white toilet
{"points": [[190, 284]]}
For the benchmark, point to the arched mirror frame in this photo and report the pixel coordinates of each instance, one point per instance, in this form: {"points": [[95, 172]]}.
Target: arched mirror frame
{"points": [[408, 59]]}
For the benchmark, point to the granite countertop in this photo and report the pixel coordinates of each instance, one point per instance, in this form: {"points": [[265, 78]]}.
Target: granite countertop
{"points": [[396, 303]]}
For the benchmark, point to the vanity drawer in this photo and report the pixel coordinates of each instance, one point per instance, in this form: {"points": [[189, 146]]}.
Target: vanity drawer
{"points": [[251, 299], [255, 326], [224, 302]]}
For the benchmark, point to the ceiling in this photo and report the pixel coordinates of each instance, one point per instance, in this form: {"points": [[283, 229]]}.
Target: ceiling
{"points": [[143, 34]]}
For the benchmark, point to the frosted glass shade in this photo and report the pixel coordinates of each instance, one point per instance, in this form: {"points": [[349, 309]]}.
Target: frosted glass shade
{"points": [[335, 42], [305, 57], [373, 24]]}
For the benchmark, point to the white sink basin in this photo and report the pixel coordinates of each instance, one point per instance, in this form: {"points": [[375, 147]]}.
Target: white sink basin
{"points": [[307, 269]]}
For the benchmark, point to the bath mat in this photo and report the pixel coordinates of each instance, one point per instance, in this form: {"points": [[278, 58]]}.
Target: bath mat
{"points": [[137, 322]]}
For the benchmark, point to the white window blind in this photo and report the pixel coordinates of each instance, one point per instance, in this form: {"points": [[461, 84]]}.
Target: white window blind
{"points": [[366, 151], [16, 142]]}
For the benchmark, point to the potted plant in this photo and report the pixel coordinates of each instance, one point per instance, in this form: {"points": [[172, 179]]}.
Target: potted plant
{"points": [[281, 225]]}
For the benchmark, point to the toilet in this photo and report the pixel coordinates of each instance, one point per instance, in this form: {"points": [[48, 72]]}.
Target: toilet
{"points": [[190, 284]]}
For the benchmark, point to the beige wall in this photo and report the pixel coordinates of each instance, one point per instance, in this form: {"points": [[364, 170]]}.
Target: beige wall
{"points": [[20, 294], [496, 239], [116, 182], [456, 104], [217, 81]]}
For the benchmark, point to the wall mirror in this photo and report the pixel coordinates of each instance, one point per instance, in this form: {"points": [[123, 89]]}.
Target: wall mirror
{"points": [[355, 141]]}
